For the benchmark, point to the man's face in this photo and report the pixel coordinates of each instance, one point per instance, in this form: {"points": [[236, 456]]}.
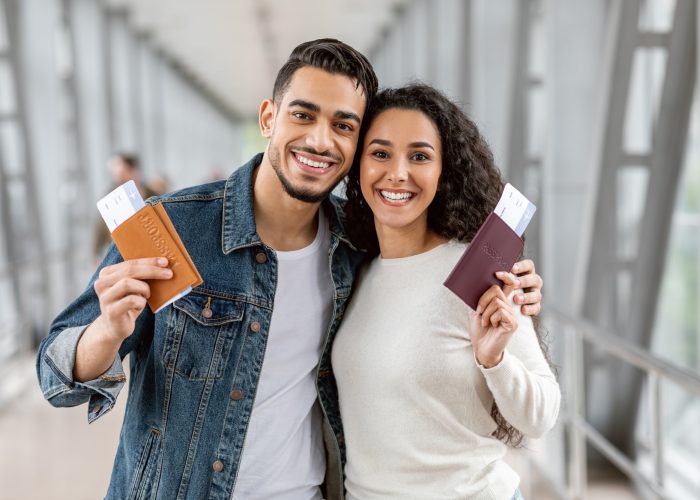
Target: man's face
{"points": [[121, 171], [313, 132]]}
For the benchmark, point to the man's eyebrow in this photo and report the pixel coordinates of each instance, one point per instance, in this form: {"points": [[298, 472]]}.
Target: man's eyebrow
{"points": [[343, 115], [348, 115], [305, 104]]}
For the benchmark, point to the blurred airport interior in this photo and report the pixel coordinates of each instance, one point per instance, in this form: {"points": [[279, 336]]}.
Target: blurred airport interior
{"points": [[590, 106]]}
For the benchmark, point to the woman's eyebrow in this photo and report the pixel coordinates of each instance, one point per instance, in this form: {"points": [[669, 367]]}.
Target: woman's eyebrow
{"points": [[381, 142], [421, 144], [418, 144]]}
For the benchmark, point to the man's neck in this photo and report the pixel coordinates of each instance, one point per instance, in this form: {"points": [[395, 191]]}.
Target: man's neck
{"points": [[283, 223]]}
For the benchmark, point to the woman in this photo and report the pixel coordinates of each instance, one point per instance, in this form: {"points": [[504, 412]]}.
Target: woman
{"points": [[431, 392]]}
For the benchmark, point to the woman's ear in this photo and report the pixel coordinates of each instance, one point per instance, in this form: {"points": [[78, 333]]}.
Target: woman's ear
{"points": [[266, 117]]}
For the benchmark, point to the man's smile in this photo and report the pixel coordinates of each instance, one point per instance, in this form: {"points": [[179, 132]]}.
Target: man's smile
{"points": [[313, 164]]}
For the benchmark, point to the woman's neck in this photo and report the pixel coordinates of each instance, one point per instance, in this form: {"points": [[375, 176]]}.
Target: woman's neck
{"points": [[395, 243]]}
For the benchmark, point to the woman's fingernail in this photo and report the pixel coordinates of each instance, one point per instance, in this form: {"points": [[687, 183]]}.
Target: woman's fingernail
{"points": [[516, 268], [163, 261]]}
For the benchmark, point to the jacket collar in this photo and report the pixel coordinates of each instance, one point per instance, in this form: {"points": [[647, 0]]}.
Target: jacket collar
{"points": [[238, 219]]}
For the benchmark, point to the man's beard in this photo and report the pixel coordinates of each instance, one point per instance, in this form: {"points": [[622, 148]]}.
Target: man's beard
{"points": [[305, 195]]}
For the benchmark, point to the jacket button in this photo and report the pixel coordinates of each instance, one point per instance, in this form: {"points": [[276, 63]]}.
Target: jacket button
{"points": [[207, 313], [260, 258], [255, 327], [218, 466], [236, 394]]}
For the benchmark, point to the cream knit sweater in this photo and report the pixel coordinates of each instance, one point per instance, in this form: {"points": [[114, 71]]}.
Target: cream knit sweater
{"points": [[415, 403]]}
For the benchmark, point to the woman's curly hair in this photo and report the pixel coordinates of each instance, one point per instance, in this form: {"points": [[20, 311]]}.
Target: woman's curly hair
{"points": [[470, 184], [468, 191]]}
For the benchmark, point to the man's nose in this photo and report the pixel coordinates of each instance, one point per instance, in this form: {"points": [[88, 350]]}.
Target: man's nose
{"points": [[320, 138]]}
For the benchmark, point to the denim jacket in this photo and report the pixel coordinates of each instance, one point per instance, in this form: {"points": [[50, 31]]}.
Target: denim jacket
{"points": [[194, 377]]}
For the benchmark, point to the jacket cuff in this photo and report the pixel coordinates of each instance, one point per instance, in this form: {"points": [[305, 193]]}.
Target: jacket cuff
{"points": [[101, 392]]}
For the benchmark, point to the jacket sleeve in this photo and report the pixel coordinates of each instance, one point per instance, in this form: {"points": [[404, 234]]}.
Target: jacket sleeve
{"points": [[56, 355], [523, 385]]}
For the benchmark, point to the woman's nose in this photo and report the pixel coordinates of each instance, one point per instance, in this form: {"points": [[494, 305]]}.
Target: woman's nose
{"points": [[398, 171]]}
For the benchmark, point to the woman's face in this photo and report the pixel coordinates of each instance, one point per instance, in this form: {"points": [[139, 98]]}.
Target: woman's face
{"points": [[400, 168]]}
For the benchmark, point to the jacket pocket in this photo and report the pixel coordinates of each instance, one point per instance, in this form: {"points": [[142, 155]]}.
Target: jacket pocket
{"points": [[142, 486], [201, 335]]}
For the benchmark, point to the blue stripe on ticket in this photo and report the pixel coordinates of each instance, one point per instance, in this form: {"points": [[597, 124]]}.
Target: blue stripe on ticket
{"points": [[134, 196], [525, 219]]}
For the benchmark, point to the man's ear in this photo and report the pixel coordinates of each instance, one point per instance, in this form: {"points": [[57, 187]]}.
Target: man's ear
{"points": [[266, 117]]}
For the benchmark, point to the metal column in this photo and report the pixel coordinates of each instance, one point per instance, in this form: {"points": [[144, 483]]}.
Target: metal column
{"points": [[633, 314], [23, 235], [523, 168], [77, 229]]}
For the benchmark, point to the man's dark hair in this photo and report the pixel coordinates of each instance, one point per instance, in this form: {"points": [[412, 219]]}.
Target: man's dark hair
{"points": [[332, 56], [129, 158]]}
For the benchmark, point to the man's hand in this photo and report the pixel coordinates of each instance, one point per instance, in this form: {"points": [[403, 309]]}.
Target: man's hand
{"points": [[531, 283], [123, 292]]}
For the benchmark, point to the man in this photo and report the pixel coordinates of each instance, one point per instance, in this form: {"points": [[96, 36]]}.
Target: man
{"points": [[232, 394]]}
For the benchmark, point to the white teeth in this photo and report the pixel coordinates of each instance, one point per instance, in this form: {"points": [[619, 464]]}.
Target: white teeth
{"points": [[311, 163], [389, 195]]}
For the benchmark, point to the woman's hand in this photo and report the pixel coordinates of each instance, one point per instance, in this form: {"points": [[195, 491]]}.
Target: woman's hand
{"points": [[530, 298], [493, 322]]}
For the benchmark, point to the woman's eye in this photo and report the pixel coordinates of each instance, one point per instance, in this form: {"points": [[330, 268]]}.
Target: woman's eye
{"points": [[382, 155], [419, 157]]}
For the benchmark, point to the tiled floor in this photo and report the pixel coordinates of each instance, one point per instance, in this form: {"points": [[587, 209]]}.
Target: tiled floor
{"points": [[49, 453]]}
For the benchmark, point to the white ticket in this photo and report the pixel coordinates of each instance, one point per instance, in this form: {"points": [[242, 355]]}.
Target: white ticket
{"points": [[515, 209], [120, 204]]}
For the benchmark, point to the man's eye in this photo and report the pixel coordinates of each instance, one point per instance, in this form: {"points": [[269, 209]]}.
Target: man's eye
{"points": [[345, 127], [300, 115]]}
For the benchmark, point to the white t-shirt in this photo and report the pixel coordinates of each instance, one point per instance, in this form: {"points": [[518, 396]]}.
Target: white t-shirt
{"points": [[416, 406], [283, 456]]}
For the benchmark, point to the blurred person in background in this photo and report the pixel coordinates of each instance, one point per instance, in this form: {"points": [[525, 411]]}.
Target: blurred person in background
{"points": [[431, 392], [158, 185], [231, 392], [123, 167]]}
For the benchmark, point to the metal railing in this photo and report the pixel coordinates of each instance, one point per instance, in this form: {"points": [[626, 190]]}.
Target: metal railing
{"points": [[577, 333]]}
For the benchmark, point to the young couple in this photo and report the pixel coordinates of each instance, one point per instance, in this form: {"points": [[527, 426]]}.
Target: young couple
{"points": [[232, 391]]}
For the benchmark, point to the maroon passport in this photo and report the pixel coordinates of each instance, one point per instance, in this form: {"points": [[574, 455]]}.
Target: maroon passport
{"points": [[496, 247]]}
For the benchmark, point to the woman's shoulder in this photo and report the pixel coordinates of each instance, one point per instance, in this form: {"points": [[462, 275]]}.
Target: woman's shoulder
{"points": [[453, 250]]}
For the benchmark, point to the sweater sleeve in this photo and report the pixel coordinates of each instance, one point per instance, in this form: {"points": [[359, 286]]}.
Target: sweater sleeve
{"points": [[523, 385]]}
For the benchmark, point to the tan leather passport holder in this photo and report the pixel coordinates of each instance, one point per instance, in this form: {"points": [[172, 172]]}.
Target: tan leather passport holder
{"points": [[150, 233]]}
